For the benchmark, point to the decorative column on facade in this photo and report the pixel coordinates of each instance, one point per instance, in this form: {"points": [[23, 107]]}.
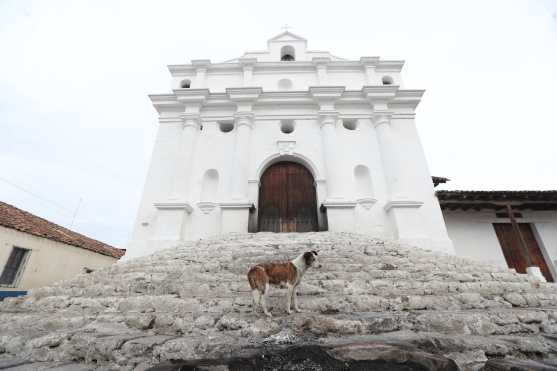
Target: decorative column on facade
{"points": [[389, 155], [320, 64], [340, 209], [401, 204], [247, 69], [328, 121], [201, 66], [243, 121], [235, 211], [173, 209], [369, 64]]}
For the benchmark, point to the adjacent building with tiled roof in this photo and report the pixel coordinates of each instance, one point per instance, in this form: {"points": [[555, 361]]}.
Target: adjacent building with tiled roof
{"points": [[35, 252], [517, 229]]}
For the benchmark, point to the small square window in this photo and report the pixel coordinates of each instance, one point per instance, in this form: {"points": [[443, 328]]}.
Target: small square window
{"points": [[14, 266]]}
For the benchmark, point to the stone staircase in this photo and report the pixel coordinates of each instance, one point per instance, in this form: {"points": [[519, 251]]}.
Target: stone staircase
{"points": [[193, 302]]}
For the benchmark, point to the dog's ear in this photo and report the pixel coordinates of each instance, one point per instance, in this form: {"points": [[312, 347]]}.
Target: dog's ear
{"points": [[314, 252], [308, 258]]}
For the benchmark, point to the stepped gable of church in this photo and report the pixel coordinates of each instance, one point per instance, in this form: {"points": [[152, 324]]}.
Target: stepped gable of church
{"points": [[371, 301]]}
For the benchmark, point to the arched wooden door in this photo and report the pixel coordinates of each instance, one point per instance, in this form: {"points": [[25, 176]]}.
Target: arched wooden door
{"points": [[287, 199]]}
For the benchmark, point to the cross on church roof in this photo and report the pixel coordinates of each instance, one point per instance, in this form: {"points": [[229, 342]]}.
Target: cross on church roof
{"points": [[286, 27]]}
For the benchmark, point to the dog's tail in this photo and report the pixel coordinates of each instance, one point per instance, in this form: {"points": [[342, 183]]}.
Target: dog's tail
{"points": [[257, 278]]}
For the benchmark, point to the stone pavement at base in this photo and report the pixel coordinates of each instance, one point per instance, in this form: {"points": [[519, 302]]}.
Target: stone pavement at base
{"points": [[193, 302]]}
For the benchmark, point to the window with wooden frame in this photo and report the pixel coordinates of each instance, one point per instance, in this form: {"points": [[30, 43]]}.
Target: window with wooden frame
{"points": [[14, 266]]}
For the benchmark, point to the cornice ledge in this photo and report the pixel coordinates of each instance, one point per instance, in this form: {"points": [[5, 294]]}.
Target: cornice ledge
{"points": [[403, 115], [191, 95], [248, 62], [326, 92], [174, 205], [244, 94], [292, 95], [201, 63], [369, 61], [409, 98], [171, 120], [398, 204], [242, 204], [181, 69], [385, 92], [339, 204], [155, 98], [166, 103], [320, 61], [390, 66]]}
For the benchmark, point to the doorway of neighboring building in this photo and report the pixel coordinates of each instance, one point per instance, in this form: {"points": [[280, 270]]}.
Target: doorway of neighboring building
{"points": [[512, 248], [287, 199]]}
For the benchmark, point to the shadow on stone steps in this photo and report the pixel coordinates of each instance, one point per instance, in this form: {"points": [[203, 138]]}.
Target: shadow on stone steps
{"points": [[520, 365], [350, 357]]}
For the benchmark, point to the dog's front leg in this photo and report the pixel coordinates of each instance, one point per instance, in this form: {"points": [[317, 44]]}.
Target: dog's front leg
{"points": [[295, 300], [289, 299], [264, 301]]}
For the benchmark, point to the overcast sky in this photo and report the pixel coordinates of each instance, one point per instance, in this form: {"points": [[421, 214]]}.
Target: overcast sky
{"points": [[76, 122]]}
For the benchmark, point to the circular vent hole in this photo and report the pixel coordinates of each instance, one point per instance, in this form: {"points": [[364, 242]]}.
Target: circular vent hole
{"points": [[387, 80], [287, 126], [285, 84], [226, 126], [350, 124]]}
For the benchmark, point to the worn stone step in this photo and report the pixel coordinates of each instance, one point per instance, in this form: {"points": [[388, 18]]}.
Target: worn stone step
{"points": [[191, 299]]}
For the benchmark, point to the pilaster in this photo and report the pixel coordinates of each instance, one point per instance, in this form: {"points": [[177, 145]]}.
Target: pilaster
{"points": [[173, 209], [247, 69], [201, 66], [320, 64], [235, 211], [369, 64]]}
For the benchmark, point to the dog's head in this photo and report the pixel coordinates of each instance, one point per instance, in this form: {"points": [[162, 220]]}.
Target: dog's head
{"points": [[310, 258]]}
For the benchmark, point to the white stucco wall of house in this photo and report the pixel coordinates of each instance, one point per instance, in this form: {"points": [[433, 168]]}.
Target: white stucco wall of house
{"points": [[474, 237], [47, 261]]}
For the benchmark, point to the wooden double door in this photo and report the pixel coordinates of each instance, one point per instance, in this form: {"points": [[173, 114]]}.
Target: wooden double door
{"points": [[513, 250], [287, 199]]}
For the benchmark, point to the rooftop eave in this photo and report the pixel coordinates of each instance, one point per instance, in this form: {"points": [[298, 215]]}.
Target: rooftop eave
{"points": [[243, 94], [181, 69], [381, 92], [166, 103], [326, 92], [389, 66], [191, 95], [408, 98]]}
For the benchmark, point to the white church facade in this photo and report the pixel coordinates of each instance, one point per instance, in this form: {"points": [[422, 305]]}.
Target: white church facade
{"points": [[293, 140], [286, 140]]}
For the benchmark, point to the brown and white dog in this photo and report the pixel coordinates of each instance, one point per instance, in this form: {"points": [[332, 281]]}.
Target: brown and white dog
{"points": [[280, 274]]}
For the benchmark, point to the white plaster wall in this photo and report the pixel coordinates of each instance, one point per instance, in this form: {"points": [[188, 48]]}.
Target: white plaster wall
{"points": [[48, 261], [158, 183], [545, 227], [418, 178], [214, 149], [474, 237], [217, 81]]}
